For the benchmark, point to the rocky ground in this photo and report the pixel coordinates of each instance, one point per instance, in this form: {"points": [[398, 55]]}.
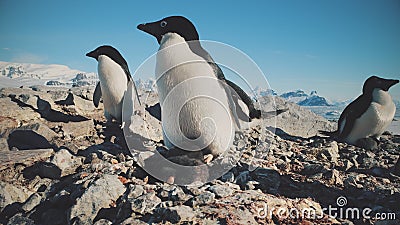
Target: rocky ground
{"points": [[61, 164]]}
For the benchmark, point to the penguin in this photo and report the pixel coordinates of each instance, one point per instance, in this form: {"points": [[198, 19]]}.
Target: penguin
{"points": [[192, 123], [185, 28], [367, 117], [114, 77]]}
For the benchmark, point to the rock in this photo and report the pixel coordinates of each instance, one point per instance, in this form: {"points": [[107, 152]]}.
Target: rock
{"points": [[7, 124], [367, 161], [103, 222], [101, 194], [221, 190], [20, 220], [178, 214], [34, 200], [203, 199], [32, 136], [178, 195], [21, 113], [81, 220], [352, 182], [3, 145], [331, 152], [83, 104], [84, 92], [26, 157], [311, 169], [78, 129], [145, 203], [228, 177], [43, 170], [334, 177], [56, 187], [11, 193], [269, 179], [252, 185], [297, 121], [67, 163], [347, 164], [133, 221], [68, 101], [135, 191], [41, 129]]}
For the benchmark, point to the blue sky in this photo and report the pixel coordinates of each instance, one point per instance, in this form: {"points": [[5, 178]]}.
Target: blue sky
{"points": [[328, 46]]}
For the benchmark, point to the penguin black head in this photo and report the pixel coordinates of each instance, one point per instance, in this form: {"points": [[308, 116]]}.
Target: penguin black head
{"points": [[172, 24], [113, 54], [376, 82], [109, 51]]}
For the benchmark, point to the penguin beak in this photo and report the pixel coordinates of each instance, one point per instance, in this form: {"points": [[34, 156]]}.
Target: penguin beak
{"points": [[91, 54], [152, 29], [387, 83]]}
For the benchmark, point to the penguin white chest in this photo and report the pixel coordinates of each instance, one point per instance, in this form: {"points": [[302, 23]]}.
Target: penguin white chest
{"points": [[113, 82], [376, 118], [195, 108]]}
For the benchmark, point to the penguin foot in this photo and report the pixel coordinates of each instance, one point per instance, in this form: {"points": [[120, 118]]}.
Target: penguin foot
{"points": [[208, 158], [367, 143]]}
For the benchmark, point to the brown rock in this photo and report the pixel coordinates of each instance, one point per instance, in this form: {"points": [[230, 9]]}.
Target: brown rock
{"points": [[26, 157]]}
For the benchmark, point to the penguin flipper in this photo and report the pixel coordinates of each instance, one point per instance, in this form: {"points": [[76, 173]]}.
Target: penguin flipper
{"points": [[253, 112], [239, 111], [97, 95], [155, 111], [352, 112], [270, 114]]}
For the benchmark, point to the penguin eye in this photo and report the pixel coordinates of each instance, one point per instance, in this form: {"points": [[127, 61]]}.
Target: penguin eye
{"points": [[163, 23]]}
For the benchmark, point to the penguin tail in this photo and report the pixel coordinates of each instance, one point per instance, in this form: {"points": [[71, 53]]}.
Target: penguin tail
{"points": [[270, 114], [255, 114], [328, 133]]}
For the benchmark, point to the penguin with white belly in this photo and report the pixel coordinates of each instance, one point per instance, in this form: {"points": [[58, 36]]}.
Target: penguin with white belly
{"points": [[196, 110], [185, 28], [367, 117], [114, 77]]}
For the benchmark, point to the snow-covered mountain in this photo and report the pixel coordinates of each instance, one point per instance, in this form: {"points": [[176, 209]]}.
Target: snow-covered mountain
{"points": [[298, 96], [20, 74], [315, 100], [260, 92], [294, 96], [304, 99], [148, 85]]}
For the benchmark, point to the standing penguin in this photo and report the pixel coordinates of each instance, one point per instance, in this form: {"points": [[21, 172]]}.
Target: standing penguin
{"points": [[196, 110], [185, 28], [369, 115], [114, 77]]}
